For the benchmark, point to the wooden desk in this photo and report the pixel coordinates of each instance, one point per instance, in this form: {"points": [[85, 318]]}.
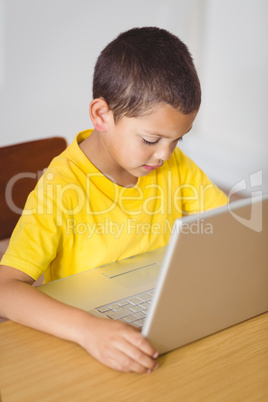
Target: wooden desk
{"points": [[231, 365]]}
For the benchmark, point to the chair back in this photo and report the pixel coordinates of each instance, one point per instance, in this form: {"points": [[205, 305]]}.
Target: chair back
{"points": [[21, 167]]}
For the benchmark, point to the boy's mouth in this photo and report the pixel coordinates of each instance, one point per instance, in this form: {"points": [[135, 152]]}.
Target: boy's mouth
{"points": [[151, 167]]}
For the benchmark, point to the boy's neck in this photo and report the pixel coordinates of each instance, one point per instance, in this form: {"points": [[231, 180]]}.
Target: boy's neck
{"points": [[95, 150]]}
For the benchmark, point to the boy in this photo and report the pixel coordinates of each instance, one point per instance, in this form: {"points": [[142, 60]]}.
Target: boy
{"points": [[115, 192]]}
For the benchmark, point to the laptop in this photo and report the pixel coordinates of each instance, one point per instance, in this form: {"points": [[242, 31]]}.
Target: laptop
{"points": [[213, 274]]}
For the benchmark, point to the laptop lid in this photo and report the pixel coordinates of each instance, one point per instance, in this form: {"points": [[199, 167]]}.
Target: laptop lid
{"points": [[214, 274]]}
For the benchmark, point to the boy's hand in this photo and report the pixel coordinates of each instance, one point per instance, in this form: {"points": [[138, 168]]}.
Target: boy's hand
{"points": [[119, 346]]}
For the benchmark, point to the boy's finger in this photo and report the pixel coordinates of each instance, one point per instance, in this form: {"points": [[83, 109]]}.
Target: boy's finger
{"points": [[138, 356], [120, 361], [138, 341]]}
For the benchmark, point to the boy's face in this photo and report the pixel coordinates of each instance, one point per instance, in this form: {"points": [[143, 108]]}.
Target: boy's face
{"points": [[139, 145]]}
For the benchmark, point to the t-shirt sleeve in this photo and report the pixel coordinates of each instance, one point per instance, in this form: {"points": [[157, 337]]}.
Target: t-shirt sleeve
{"points": [[198, 193], [37, 236]]}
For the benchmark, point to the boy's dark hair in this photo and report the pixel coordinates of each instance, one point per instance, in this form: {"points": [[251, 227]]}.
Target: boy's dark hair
{"points": [[143, 67]]}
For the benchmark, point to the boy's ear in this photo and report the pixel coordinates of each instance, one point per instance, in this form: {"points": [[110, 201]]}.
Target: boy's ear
{"points": [[100, 114]]}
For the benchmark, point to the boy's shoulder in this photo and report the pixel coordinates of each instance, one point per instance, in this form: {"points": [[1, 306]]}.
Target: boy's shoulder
{"points": [[71, 162], [182, 161]]}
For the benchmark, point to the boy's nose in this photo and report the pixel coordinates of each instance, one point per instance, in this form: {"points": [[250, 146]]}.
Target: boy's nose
{"points": [[163, 153]]}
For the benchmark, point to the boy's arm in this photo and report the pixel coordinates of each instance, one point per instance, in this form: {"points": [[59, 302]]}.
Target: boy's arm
{"points": [[113, 343]]}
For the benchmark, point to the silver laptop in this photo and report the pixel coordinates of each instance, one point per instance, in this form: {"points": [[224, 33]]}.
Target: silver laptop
{"points": [[212, 275]]}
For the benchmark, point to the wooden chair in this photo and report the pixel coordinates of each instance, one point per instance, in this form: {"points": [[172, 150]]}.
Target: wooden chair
{"points": [[21, 166]]}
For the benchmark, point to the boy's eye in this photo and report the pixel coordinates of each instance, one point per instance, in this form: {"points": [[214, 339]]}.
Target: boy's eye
{"points": [[149, 142], [155, 142]]}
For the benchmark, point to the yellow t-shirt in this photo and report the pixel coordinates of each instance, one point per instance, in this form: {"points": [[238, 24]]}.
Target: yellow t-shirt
{"points": [[77, 219]]}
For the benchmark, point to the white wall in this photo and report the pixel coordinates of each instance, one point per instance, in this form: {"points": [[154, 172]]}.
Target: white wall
{"points": [[48, 55], [233, 69], [48, 49]]}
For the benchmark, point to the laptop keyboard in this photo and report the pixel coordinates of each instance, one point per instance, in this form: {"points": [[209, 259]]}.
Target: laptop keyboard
{"points": [[132, 310]]}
